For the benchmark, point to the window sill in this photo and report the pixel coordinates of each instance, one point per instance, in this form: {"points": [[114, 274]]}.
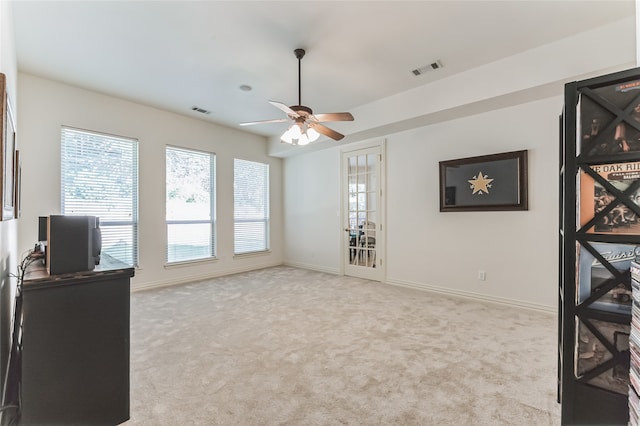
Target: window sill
{"points": [[187, 263], [252, 254]]}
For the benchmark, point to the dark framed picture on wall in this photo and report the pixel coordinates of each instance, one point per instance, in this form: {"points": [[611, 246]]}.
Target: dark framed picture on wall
{"points": [[18, 186], [485, 183], [7, 154]]}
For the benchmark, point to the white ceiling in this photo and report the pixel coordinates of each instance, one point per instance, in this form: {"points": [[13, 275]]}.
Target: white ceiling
{"points": [[175, 55]]}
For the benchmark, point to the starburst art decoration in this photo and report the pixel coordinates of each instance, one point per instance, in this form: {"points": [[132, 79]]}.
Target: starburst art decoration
{"points": [[495, 182], [480, 184]]}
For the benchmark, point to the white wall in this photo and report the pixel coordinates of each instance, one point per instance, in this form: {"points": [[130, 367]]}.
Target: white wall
{"points": [[46, 105], [8, 229], [443, 251], [312, 208]]}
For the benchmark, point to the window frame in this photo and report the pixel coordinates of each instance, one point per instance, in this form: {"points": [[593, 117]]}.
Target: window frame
{"points": [[266, 219], [212, 209], [105, 223]]}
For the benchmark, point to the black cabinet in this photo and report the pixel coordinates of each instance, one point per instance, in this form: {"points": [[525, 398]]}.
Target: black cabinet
{"points": [[75, 346], [599, 238]]}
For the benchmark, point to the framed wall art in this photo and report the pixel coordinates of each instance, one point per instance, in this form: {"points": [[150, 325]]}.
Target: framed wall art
{"points": [[18, 185], [484, 183], [7, 154]]}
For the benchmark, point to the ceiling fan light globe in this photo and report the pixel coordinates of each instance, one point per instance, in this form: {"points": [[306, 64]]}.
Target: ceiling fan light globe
{"points": [[296, 131], [287, 136], [312, 134], [304, 140]]}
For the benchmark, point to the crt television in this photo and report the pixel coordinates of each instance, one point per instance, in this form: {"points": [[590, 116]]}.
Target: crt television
{"points": [[74, 243]]}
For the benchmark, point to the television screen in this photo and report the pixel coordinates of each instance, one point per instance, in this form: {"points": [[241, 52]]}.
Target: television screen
{"points": [[42, 228]]}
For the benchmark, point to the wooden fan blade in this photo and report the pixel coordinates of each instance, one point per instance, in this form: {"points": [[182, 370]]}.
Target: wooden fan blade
{"points": [[324, 130], [333, 116], [277, 120], [284, 108]]}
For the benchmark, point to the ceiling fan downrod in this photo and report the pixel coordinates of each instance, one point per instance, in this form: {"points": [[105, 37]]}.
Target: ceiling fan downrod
{"points": [[299, 54]]}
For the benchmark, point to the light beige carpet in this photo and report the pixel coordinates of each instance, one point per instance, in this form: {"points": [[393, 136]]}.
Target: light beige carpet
{"points": [[287, 346]]}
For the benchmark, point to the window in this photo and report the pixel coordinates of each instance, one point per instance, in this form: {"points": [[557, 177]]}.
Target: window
{"points": [[251, 206], [190, 202], [100, 178]]}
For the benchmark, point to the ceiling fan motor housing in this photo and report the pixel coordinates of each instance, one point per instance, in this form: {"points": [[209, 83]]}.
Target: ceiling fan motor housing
{"points": [[301, 108]]}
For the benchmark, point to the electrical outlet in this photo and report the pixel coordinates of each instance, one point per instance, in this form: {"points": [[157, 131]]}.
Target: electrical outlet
{"points": [[482, 275]]}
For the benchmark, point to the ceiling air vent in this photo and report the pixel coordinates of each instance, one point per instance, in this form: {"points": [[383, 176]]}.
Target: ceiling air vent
{"points": [[432, 66], [200, 110]]}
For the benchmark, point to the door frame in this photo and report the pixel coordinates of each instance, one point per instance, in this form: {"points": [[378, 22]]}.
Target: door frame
{"points": [[379, 272]]}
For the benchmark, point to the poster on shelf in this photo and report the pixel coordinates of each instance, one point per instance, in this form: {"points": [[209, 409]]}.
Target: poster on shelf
{"points": [[635, 324], [634, 358], [634, 407], [634, 269], [609, 120], [592, 352], [593, 276], [594, 198]]}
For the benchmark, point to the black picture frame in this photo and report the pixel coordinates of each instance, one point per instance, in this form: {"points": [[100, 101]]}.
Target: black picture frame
{"points": [[18, 186], [7, 154], [496, 182]]}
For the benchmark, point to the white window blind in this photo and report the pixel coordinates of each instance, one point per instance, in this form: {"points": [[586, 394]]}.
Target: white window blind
{"points": [[251, 206], [191, 227], [99, 177]]}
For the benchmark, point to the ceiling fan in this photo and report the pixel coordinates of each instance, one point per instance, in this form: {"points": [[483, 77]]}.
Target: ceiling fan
{"points": [[306, 127]]}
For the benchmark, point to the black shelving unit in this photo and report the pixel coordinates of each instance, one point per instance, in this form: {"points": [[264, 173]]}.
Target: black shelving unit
{"points": [[599, 237], [634, 348]]}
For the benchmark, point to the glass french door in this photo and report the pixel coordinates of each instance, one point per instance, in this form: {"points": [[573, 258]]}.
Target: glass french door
{"points": [[362, 192]]}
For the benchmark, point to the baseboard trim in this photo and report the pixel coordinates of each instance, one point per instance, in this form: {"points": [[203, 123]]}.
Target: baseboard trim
{"points": [[334, 271], [474, 296], [201, 277]]}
